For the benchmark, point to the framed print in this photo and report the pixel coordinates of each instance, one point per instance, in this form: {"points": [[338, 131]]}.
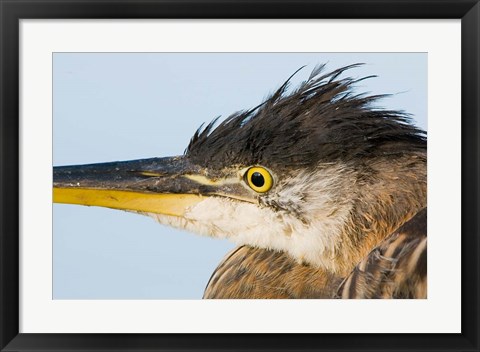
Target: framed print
{"points": [[326, 114]]}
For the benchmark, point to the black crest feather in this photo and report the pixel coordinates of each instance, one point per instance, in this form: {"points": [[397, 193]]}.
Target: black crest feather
{"points": [[322, 120]]}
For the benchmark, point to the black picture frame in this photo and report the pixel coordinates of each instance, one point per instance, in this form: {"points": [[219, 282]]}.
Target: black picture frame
{"points": [[12, 11]]}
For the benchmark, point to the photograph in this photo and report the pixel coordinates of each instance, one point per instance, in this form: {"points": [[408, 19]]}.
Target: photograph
{"points": [[188, 176]]}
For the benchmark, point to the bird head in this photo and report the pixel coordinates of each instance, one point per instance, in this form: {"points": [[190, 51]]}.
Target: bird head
{"points": [[318, 173]]}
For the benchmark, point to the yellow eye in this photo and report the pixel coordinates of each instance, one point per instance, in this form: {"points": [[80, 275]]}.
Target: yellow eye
{"points": [[259, 179]]}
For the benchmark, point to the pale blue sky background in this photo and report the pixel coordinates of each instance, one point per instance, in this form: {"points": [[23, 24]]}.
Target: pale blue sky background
{"points": [[122, 106]]}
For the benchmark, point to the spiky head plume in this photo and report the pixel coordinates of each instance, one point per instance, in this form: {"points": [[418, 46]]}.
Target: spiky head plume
{"points": [[323, 120]]}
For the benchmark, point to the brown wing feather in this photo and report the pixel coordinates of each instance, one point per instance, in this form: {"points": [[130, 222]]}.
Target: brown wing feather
{"points": [[397, 268], [258, 273]]}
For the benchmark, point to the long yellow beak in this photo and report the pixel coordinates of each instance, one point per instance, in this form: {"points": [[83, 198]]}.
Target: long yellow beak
{"points": [[154, 185], [168, 204]]}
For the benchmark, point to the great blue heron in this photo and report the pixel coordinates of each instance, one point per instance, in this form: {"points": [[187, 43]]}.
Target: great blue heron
{"points": [[324, 194]]}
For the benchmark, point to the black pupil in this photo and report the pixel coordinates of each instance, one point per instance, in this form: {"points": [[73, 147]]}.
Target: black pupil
{"points": [[257, 179]]}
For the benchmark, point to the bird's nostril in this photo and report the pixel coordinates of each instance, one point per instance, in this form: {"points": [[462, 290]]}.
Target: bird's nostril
{"points": [[150, 174]]}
